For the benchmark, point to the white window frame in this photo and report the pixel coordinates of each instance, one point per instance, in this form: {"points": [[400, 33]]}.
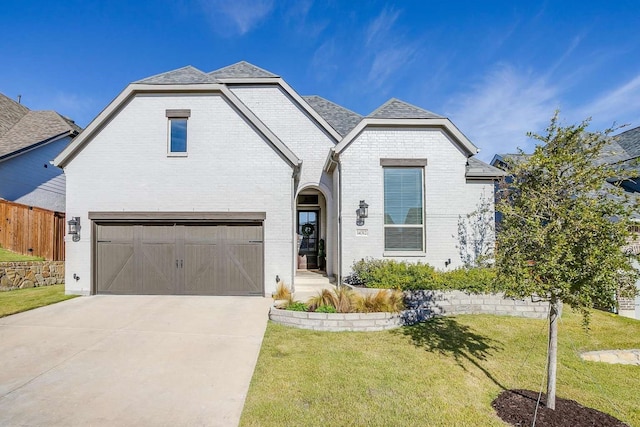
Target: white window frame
{"points": [[418, 164], [178, 114]]}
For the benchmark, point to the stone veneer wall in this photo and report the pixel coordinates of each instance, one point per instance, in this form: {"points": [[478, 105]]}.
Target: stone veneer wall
{"points": [[29, 274], [421, 305]]}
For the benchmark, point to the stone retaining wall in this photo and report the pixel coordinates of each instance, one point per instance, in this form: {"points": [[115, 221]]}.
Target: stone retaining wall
{"points": [[29, 274], [421, 305], [363, 322]]}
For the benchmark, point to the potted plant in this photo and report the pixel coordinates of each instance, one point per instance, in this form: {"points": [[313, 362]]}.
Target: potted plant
{"points": [[321, 254]]}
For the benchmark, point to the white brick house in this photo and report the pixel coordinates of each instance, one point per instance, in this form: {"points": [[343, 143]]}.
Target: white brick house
{"points": [[217, 183]]}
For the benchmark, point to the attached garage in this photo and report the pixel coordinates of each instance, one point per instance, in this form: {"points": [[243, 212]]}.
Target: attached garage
{"points": [[178, 253]]}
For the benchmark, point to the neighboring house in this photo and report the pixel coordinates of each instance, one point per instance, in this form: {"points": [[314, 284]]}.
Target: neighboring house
{"points": [[219, 183], [623, 151], [29, 140]]}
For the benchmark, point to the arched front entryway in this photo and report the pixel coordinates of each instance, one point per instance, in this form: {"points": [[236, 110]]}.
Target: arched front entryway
{"points": [[314, 230]]}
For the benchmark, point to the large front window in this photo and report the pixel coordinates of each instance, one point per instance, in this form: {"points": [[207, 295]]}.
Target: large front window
{"points": [[403, 209]]}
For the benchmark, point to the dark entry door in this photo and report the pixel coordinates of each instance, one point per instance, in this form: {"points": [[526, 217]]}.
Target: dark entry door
{"points": [[309, 229]]}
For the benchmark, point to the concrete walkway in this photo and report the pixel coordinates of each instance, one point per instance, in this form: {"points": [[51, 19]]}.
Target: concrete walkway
{"points": [[130, 360], [309, 283], [624, 357]]}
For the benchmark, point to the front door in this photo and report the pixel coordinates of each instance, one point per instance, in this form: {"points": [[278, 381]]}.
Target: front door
{"points": [[308, 230]]}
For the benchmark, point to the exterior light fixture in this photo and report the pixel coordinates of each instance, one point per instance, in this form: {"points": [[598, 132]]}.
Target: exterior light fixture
{"points": [[362, 212], [74, 228]]}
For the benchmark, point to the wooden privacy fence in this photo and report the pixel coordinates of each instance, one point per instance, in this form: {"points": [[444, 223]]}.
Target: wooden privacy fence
{"points": [[32, 231]]}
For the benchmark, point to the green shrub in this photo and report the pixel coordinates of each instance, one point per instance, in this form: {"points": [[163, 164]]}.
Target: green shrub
{"points": [[296, 306], [326, 309], [390, 274]]}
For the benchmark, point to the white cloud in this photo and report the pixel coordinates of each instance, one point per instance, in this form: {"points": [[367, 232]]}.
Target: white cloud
{"points": [[380, 28], [386, 48], [386, 62], [620, 104], [244, 15], [498, 112]]}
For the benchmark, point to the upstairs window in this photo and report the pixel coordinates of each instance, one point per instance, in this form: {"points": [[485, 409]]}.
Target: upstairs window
{"points": [[403, 209], [177, 141]]}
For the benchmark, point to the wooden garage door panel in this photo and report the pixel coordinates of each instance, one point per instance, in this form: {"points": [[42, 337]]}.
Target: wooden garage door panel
{"points": [[202, 269], [180, 259], [203, 233], [120, 233], [243, 233], [244, 269], [159, 268], [116, 272]]}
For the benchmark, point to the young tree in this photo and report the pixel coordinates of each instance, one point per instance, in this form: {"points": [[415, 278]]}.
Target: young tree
{"points": [[563, 228]]}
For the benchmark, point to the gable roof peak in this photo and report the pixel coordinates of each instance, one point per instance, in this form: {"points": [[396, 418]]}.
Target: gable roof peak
{"points": [[341, 119], [184, 75], [242, 69], [395, 108]]}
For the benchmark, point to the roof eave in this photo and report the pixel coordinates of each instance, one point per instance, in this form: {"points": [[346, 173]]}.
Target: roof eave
{"points": [[7, 156], [442, 123], [135, 88], [292, 93]]}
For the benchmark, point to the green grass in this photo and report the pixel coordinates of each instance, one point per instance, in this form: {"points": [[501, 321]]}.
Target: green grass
{"points": [[19, 300], [443, 372], [7, 255]]}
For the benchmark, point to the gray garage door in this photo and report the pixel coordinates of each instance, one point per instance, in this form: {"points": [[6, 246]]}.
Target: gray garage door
{"points": [[157, 259]]}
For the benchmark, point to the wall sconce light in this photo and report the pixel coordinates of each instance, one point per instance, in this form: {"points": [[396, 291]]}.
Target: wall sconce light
{"points": [[447, 263], [363, 212], [74, 228]]}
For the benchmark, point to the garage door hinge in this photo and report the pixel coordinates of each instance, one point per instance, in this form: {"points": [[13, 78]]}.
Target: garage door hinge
{"points": [[104, 241], [255, 241]]}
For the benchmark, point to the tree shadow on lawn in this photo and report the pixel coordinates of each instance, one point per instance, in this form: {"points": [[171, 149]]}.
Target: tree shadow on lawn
{"points": [[446, 336]]}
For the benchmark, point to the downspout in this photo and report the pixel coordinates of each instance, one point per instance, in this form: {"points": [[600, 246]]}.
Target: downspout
{"points": [[339, 224], [295, 178]]}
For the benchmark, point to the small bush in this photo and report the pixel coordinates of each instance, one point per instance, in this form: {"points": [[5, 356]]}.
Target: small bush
{"points": [[326, 309], [296, 306], [390, 301], [390, 274], [324, 298], [282, 291]]}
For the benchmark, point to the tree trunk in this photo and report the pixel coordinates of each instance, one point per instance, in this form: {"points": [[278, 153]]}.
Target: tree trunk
{"points": [[553, 354]]}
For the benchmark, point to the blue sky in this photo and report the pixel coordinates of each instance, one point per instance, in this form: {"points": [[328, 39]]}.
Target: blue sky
{"points": [[497, 69]]}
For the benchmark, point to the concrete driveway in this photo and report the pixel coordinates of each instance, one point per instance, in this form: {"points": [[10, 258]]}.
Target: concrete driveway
{"points": [[130, 360]]}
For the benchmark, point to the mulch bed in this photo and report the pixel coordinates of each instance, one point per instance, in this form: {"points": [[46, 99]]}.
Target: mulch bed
{"points": [[517, 407]]}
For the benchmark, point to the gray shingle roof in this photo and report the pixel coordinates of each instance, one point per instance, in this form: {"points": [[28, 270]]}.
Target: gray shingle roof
{"points": [[478, 169], [396, 109], [184, 75], [630, 142], [241, 69], [31, 127], [340, 118], [10, 113]]}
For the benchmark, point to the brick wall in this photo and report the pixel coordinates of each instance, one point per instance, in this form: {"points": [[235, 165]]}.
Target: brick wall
{"points": [[229, 167], [447, 193]]}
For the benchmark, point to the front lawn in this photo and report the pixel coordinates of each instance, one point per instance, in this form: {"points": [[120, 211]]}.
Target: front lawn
{"points": [[19, 300], [7, 255], [443, 372]]}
